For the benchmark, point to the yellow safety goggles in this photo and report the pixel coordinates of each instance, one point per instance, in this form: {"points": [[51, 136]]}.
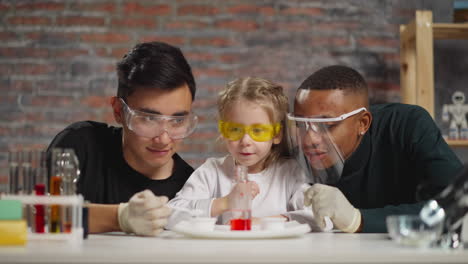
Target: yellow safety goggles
{"points": [[258, 132]]}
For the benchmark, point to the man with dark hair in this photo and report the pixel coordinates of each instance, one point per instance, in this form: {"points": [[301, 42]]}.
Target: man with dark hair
{"points": [[137, 161], [393, 157]]}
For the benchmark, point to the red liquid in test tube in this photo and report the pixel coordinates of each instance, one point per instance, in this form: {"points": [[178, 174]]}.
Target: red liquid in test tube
{"points": [[40, 210]]}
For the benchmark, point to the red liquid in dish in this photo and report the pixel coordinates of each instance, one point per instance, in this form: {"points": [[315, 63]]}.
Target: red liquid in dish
{"points": [[241, 224]]}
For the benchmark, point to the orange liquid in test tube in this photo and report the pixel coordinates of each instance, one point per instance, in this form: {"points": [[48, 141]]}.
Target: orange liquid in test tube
{"points": [[55, 183]]}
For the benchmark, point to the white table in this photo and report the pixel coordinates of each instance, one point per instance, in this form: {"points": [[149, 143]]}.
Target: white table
{"points": [[173, 248]]}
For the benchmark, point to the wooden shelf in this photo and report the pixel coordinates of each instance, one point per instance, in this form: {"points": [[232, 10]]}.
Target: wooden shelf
{"points": [[457, 143], [450, 31], [417, 59]]}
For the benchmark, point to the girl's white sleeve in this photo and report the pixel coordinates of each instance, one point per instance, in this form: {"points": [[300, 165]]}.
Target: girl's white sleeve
{"points": [[196, 195], [296, 209]]}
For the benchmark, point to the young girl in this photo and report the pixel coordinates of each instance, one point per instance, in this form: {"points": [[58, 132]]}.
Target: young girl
{"points": [[252, 114]]}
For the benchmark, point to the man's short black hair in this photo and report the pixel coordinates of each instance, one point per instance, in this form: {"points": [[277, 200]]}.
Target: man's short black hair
{"points": [[153, 64], [336, 77]]}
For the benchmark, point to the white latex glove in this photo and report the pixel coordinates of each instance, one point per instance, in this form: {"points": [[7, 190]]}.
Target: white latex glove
{"points": [[145, 214], [330, 201]]}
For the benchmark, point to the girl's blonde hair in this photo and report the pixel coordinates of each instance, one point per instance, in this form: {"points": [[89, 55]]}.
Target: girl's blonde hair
{"points": [[269, 96]]}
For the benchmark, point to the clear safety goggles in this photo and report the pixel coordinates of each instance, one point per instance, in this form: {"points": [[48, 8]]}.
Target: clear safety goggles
{"points": [[311, 142], [153, 125], [258, 132], [308, 123]]}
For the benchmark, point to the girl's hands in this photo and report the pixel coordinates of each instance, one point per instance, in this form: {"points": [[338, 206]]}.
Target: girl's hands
{"points": [[241, 189]]}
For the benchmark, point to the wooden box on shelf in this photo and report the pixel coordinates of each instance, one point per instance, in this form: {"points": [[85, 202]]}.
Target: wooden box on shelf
{"points": [[417, 59]]}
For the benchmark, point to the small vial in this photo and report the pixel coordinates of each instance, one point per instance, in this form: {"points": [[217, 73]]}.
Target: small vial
{"points": [[242, 202]]}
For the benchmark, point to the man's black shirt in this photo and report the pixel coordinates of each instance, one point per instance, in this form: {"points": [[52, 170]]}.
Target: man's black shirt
{"points": [[106, 177]]}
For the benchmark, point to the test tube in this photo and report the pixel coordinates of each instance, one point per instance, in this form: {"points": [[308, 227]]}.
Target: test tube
{"points": [[69, 179], [26, 172], [25, 186], [13, 173], [54, 189], [242, 202], [40, 190]]}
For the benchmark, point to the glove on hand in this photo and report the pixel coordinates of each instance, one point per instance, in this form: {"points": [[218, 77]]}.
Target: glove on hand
{"points": [[330, 201], [145, 214]]}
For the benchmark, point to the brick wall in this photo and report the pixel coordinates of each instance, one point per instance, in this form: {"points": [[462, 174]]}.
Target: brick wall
{"points": [[57, 57]]}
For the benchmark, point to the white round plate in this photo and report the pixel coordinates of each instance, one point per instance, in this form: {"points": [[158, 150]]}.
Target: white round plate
{"points": [[292, 229]]}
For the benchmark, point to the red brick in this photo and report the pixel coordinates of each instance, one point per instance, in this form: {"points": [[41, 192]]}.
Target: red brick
{"points": [[101, 52], [118, 52], [331, 26], [200, 56], [5, 6], [35, 116], [198, 10], [229, 58], [21, 86], [59, 85], [238, 25], [310, 11], [68, 53], [24, 52], [80, 20], [56, 36], [186, 25], [8, 99], [204, 103], [6, 35], [251, 9], [375, 85], [21, 20], [23, 146], [150, 10], [211, 88], [327, 41], [108, 68], [378, 42], [294, 26], [209, 72], [106, 37], [52, 6], [33, 69], [177, 41], [48, 100], [392, 57], [99, 7], [211, 41], [134, 22], [96, 101], [4, 177], [40, 52]]}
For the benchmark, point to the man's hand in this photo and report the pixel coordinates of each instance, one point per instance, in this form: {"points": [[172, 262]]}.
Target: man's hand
{"points": [[330, 201], [145, 214]]}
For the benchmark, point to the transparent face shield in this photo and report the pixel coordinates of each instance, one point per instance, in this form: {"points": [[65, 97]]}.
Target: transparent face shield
{"points": [[311, 142], [152, 125]]}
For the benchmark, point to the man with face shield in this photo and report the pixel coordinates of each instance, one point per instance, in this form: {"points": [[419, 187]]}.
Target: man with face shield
{"points": [[364, 163]]}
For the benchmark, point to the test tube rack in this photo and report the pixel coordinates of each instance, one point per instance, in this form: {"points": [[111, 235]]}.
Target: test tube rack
{"points": [[75, 236]]}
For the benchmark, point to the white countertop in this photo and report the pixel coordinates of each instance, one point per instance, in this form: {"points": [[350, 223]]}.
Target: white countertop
{"points": [[173, 248]]}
